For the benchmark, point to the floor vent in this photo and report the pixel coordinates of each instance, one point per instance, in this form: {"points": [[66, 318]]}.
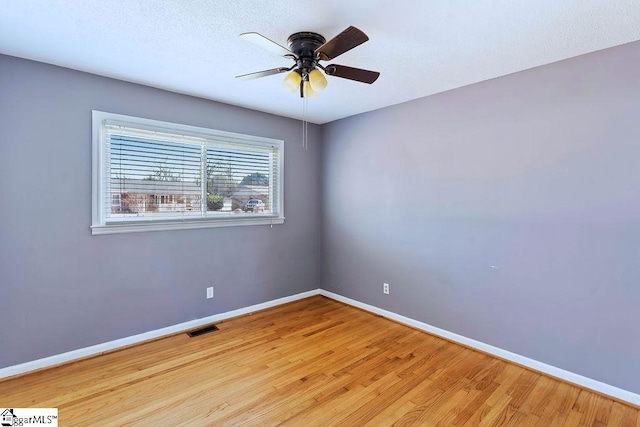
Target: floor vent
{"points": [[202, 331]]}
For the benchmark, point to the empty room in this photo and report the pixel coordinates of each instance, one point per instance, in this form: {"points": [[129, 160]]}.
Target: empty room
{"points": [[331, 213]]}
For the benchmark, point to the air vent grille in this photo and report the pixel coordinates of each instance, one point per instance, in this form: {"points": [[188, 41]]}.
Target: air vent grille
{"points": [[202, 331]]}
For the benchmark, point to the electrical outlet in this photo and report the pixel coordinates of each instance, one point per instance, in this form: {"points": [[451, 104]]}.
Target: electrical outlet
{"points": [[210, 292], [385, 288]]}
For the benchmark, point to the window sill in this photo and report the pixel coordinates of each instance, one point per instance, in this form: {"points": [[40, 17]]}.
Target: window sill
{"points": [[137, 227]]}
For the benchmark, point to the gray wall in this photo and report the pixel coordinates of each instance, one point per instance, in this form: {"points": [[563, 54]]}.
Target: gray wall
{"points": [[537, 174], [62, 288]]}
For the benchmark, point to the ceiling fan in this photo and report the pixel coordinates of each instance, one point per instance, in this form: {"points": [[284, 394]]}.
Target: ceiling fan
{"points": [[307, 49]]}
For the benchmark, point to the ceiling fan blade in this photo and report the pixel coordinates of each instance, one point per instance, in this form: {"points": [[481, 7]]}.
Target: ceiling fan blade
{"points": [[357, 74], [264, 73], [265, 43], [346, 40]]}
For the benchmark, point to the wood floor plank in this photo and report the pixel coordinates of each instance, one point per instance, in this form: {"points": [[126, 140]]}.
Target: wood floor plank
{"points": [[474, 404], [313, 362], [623, 416], [404, 411]]}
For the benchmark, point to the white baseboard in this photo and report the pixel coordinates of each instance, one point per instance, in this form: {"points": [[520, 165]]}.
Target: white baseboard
{"points": [[562, 374], [535, 365], [135, 339]]}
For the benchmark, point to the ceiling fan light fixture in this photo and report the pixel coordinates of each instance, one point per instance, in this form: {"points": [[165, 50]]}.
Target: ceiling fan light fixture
{"points": [[317, 80], [292, 81]]}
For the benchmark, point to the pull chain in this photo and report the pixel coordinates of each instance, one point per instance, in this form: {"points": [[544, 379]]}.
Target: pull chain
{"points": [[305, 142]]}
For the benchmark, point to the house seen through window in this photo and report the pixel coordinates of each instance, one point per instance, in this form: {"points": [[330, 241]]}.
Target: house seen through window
{"points": [[151, 175]]}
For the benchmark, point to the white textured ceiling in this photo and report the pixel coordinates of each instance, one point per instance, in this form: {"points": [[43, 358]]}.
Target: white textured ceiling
{"points": [[420, 47]]}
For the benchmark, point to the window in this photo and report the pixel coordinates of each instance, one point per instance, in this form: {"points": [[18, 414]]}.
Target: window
{"points": [[152, 175], [115, 202]]}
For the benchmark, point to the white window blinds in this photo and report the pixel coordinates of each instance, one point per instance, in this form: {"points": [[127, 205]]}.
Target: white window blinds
{"points": [[153, 174]]}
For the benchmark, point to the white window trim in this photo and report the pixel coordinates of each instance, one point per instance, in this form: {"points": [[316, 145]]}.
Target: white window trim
{"points": [[98, 222]]}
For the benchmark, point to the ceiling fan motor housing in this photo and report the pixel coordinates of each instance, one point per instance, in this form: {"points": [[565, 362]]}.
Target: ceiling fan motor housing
{"points": [[304, 45]]}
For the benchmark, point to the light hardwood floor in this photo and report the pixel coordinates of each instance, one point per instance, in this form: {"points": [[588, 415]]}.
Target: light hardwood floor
{"points": [[311, 362]]}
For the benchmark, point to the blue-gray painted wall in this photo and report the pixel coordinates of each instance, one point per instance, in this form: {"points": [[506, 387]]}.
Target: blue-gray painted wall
{"points": [[506, 211], [62, 288]]}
